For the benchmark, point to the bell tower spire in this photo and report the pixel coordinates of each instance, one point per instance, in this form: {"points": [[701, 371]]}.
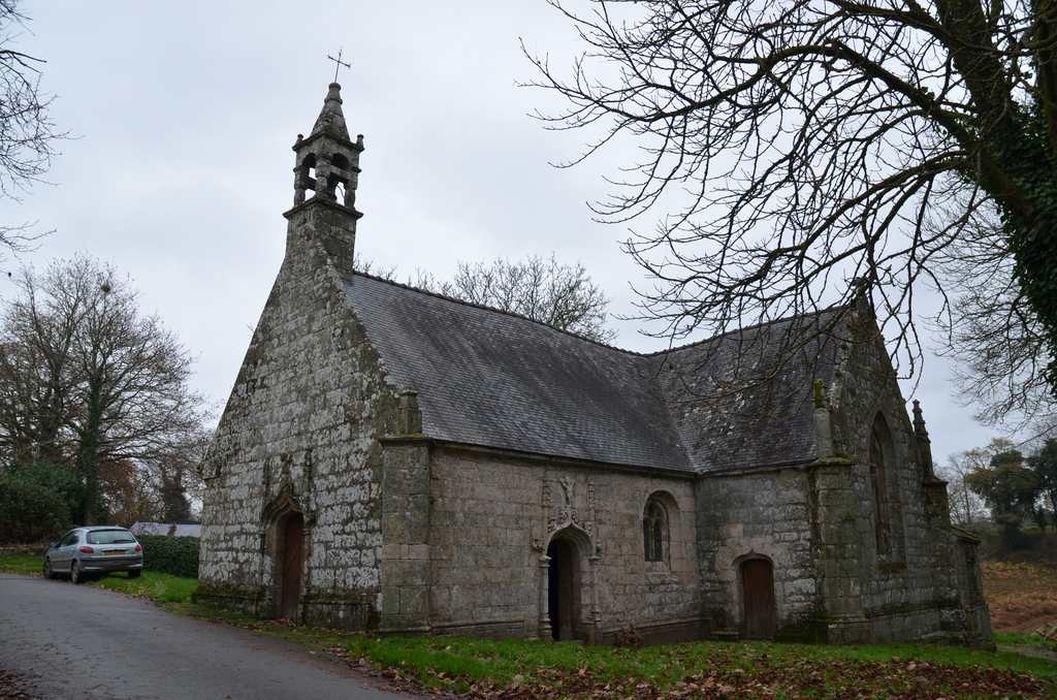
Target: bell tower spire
{"points": [[328, 162], [326, 173]]}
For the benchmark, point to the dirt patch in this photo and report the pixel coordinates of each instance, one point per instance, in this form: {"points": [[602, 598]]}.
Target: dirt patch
{"points": [[1022, 596]]}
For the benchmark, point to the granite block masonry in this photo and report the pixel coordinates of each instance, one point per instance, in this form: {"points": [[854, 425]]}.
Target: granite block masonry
{"points": [[395, 460]]}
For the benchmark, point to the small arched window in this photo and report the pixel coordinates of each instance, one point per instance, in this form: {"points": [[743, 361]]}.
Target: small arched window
{"points": [[880, 453], [655, 530]]}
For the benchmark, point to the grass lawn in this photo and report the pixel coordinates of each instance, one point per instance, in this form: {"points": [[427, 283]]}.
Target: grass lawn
{"points": [[532, 669], [723, 668], [1027, 644], [518, 668], [20, 563], [159, 587]]}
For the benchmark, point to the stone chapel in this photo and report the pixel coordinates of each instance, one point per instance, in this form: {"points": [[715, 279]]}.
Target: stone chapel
{"points": [[394, 460]]}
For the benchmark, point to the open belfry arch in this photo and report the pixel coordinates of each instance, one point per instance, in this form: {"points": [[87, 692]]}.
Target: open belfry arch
{"points": [[395, 460]]}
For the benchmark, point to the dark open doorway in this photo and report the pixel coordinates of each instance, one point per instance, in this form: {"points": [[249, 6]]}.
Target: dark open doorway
{"points": [[290, 564], [563, 601], [757, 593]]}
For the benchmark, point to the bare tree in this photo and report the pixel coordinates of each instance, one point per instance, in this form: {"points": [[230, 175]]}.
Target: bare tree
{"points": [[127, 493], [116, 379], [543, 289], [371, 267], [807, 152], [37, 369], [967, 508], [174, 475], [560, 295], [27, 134]]}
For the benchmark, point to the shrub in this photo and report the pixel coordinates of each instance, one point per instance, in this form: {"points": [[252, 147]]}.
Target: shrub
{"points": [[172, 555], [35, 502]]}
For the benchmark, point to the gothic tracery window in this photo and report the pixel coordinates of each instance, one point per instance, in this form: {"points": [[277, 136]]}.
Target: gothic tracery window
{"points": [[880, 452], [655, 530]]}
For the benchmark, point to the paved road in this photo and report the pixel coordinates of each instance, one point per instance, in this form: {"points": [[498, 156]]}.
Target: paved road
{"points": [[77, 642]]}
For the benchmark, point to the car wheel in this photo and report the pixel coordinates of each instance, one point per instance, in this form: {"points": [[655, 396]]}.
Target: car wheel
{"points": [[76, 575], [48, 573], [134, 573]]}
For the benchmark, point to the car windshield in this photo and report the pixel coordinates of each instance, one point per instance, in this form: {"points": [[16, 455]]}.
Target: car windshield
{"points": [[110, 537]]}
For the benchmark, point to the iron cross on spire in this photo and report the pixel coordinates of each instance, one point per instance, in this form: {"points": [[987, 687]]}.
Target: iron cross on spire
{"points": [[338, 63]]}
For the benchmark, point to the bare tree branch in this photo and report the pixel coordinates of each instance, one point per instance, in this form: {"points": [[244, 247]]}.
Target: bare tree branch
{"points": [[805, 153]]}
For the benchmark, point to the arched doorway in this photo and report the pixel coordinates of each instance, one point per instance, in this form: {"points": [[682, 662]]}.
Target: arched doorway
{"points": [[757, 597], [289, 563], [563, 589]]}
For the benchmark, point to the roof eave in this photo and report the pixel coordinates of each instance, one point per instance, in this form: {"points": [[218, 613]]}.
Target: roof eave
{"points": [[508, 453]]}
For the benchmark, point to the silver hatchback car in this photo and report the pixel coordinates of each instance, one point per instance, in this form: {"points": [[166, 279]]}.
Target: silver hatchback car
{"points": [[84, 551]]}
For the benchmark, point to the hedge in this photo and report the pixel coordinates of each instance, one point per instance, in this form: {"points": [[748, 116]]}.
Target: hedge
{"points": [[171, 555]]}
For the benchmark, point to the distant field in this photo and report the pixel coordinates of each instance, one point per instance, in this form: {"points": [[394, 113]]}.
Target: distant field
{"points": [[1022, 596]]}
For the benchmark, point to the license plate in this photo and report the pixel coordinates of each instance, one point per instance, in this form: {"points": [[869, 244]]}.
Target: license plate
{"points": [[115, 553]]}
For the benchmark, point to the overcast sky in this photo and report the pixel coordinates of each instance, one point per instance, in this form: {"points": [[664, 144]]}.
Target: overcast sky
{"points": [[184, 114]]}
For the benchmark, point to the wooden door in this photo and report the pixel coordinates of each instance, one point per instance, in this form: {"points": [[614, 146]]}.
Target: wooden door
{"points": [[757, 591], [291, 565]]}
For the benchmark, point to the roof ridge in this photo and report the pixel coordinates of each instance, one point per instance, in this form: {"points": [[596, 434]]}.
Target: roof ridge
{"points": [[751, 327], [484, 307], [634, 353]]}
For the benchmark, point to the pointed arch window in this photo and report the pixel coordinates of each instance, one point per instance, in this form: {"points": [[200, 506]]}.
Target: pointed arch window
{"points": [[879, 459], [655, 530]]}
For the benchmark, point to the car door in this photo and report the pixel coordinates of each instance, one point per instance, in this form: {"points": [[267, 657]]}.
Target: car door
{"points": [[55, 552], [60, 558]]}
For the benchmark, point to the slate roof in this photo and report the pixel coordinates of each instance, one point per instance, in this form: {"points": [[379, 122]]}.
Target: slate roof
{"points": [[737, 404], [486, 377]]}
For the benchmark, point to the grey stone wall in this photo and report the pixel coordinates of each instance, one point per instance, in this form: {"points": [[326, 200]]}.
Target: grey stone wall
{"points": [[764, 513], [816, 523], [912, 592], [491, 521], [406, 513], [300, 432]]}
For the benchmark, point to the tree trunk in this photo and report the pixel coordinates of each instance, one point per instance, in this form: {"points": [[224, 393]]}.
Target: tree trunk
{"points": [[88, 457]]}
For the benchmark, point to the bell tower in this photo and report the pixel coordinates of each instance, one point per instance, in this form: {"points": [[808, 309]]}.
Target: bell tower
{"points": [[326, 172]]}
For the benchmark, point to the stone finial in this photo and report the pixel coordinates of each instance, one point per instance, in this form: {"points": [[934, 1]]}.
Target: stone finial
{"points": [[410, 415], [924, 444], [819, 394], [823, 424], [919, 421]]}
